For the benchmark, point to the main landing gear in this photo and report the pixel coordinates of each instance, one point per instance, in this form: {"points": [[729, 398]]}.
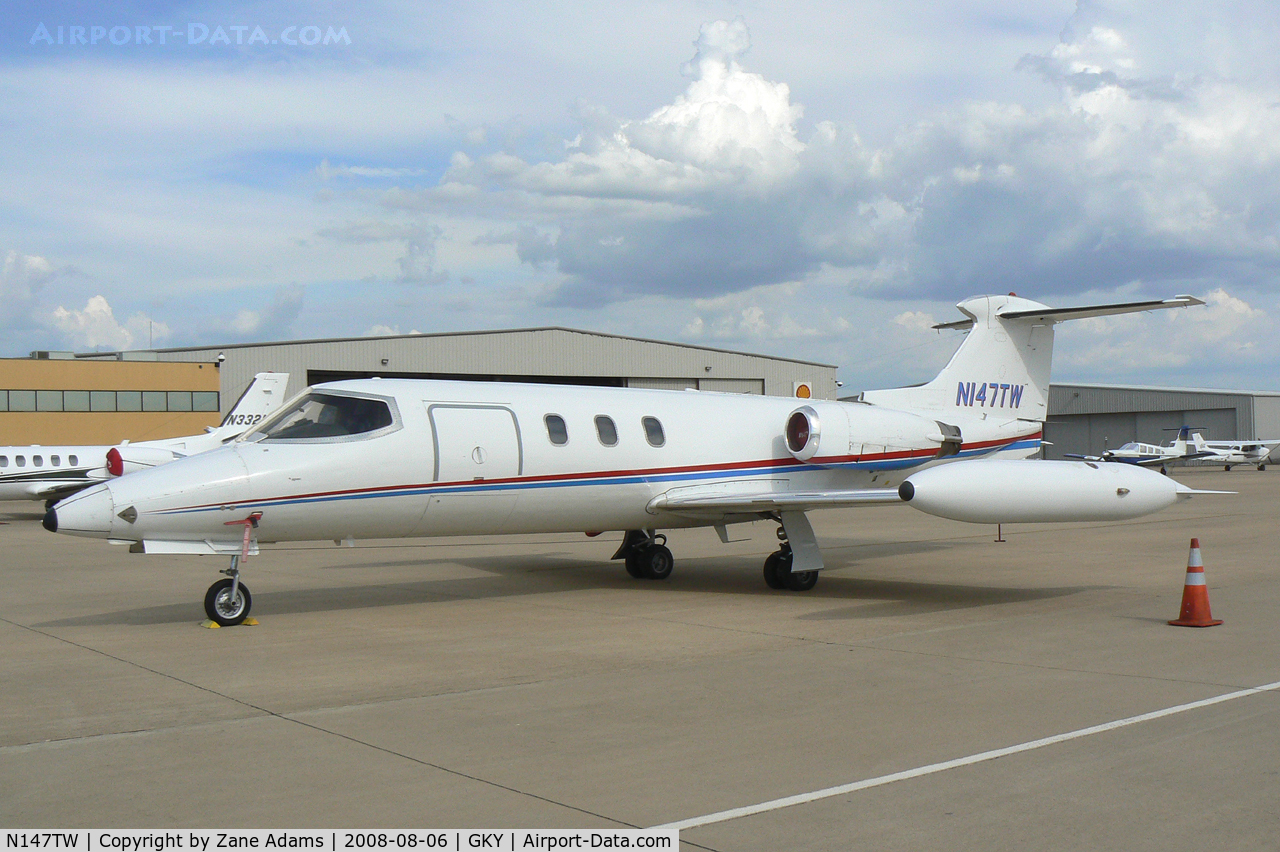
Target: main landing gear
{"points": [[646, 555], [777, 569]]}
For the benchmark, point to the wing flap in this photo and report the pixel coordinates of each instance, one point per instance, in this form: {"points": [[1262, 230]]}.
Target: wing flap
{"points": [[771, 501]]}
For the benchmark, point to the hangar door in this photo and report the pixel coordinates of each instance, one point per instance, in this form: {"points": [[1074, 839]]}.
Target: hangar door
{"points": [[475, 442]]}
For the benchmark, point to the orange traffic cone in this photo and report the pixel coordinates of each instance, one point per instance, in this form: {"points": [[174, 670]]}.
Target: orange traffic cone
{"points": [[1195, 594]]}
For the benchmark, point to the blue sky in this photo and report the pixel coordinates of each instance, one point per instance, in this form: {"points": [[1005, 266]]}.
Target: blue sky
{"points": [[815, 180]]}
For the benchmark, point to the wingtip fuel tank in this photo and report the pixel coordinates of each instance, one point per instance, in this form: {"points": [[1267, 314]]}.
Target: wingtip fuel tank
{"points": [[1000, 491]]}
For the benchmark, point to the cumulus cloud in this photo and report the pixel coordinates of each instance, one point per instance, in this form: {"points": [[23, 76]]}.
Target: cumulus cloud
{"points": [[418, 264], [24, 275], [1216, 345], [777, 314], [1135, 156], [1145, 171], [96, 327], [386, 331], [274, 321], [915, 320]]}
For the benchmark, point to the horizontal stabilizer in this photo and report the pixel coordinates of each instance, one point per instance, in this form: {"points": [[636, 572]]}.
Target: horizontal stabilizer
{"points": [[1062, 314]]}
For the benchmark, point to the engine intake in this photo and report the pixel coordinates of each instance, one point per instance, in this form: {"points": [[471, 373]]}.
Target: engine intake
{"points": [[804, 433]]}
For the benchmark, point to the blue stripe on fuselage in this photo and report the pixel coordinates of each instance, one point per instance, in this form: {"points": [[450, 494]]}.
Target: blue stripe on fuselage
{"points": [[585, 479]]}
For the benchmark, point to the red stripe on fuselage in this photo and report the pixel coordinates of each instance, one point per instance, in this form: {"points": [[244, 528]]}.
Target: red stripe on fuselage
{"points": [[762, 464]]}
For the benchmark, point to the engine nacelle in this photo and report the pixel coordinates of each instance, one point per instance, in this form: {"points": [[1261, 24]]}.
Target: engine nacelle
{"points": [[822, 432], [128, 459], [1005, 491]]}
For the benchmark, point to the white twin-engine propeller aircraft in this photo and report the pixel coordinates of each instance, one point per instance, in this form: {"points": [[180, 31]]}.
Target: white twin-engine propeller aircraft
{"points": [[49, 473], [384, 458]]}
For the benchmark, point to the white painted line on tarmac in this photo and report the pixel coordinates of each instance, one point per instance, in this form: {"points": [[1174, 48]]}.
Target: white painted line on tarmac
{"points": [[829, 792]]}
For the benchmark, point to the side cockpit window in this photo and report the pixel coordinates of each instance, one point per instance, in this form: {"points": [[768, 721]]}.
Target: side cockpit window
{"points": [[329, 417]]}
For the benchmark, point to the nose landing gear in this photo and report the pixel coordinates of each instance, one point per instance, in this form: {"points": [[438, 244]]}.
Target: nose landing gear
{"points": [[227, 603]]}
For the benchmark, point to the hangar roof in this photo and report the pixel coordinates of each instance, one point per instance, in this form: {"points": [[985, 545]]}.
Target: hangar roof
{"points": [[1162, 389], [444, 334]]}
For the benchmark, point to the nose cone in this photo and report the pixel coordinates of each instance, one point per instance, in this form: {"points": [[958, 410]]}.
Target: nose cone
{"points": [[88, 513]]}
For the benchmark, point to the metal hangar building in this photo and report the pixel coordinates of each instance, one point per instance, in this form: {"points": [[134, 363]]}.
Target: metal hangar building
{"points": [[551, 355], [1088, 418]]}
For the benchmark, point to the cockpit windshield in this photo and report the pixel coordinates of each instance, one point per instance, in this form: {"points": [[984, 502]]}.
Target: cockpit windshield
{"points": [[318, 416]]}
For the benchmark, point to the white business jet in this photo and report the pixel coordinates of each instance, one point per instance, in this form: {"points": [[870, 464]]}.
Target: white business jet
{"points": [[384, 458], [51, 473]]}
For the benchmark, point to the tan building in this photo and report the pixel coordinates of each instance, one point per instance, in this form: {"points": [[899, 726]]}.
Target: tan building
{"points": [[76, 401]]}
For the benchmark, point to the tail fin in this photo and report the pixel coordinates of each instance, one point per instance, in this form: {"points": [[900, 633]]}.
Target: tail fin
{"points": [[1003, 365], [260, 399]]}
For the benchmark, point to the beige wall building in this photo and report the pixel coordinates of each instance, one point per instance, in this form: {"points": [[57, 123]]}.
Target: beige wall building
{"points": [[64, 401]]}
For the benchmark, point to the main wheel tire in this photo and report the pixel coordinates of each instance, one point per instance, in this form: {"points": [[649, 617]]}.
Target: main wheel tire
{"points": [[635, 565], [1226, 467], [802, 581], [657, 562], [777, 570], [1262, 467], [222, 609]]}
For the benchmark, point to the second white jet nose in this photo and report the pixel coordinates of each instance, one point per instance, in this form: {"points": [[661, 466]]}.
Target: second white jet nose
{"points": [[88, 513]]}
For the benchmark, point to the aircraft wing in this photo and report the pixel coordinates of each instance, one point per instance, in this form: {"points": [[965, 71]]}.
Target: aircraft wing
{"points": [[1113, 459], [700, 501], [58, 490], [1155, 461], [1238, 445]]}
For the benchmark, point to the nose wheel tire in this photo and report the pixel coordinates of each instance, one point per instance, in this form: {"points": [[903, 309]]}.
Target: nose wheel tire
{"points": [[224, 609]]}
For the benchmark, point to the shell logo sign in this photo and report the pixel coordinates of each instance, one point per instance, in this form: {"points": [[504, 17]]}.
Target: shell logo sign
{"points": [[804, 390]]}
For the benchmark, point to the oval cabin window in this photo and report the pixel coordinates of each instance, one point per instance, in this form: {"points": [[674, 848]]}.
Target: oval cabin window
{"points": [[556, 431], [606, 431], [653, 431]]}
